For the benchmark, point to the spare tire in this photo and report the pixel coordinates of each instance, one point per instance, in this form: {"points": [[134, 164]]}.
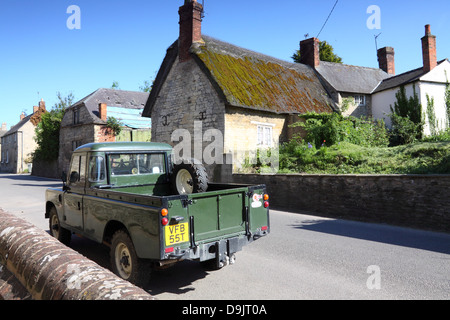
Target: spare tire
{"points": [[189, 177]]}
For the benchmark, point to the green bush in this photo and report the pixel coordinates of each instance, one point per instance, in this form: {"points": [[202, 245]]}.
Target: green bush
{"points": [[404, 131], [329, 129]]}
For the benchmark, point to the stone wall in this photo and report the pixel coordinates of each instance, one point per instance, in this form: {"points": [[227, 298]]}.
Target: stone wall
{"points": [[187, 100], [416, 201], [34, 265]]}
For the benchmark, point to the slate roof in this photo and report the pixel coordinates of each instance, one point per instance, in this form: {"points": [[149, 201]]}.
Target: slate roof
{"points": [[120, 101], [252, 80], [35, 118], [351, 79], [402, 79]]}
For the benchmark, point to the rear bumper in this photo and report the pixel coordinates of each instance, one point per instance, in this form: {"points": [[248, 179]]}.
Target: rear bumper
{"points": [[221, 250]]}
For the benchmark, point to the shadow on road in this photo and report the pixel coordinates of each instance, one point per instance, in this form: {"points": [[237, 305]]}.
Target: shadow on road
{"points": [[175, 279], [50, 183], [431, 241]]}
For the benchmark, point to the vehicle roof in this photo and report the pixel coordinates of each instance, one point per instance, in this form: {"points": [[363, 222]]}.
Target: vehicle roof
{"points": [[124, 146]]}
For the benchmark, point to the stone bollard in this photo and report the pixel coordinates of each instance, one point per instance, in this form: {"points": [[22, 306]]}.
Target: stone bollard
{"points": [[48, 270]]}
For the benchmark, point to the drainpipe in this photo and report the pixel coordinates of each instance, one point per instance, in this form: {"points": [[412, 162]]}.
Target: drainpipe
{"points": [[21, 152]]}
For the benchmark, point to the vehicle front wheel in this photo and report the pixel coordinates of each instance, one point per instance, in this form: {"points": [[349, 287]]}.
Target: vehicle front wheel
{"points": [[125, 262], [63, 235]]}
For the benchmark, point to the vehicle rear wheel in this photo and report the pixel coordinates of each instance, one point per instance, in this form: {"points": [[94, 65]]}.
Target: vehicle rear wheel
{"points": [[189, 177], [61, 234], [125, 262]]}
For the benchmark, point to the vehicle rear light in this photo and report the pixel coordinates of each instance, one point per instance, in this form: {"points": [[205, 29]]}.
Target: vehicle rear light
{"points": [[164, 220], [169, 250], [266, 204], [264, 228], [266, 197]]}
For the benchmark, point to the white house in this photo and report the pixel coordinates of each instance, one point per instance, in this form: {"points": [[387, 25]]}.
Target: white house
{"points": [[429, 80]]}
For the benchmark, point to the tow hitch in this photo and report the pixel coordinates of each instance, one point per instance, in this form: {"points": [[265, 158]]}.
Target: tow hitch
{"points": [[225, 252]]}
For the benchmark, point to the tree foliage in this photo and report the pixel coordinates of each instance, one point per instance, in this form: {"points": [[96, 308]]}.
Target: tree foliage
{"points": [[47, 131], [326, 53], [407, 118]]}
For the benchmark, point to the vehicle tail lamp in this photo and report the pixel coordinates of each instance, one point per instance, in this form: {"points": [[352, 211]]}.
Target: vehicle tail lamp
{"points": [[169, 250], [266, 204], [266, 197], [164, 220]]}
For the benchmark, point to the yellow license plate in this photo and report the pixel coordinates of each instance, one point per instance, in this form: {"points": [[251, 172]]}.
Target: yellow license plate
{"points": [[177, 233]]}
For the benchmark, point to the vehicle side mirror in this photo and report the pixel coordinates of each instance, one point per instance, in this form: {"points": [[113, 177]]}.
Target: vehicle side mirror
{"points": [[64, 180]]}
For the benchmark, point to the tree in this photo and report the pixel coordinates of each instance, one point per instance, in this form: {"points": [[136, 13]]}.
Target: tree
{"points": [[326, 52], [115, 85], [147, 86], [47, 131], [407, 118]]}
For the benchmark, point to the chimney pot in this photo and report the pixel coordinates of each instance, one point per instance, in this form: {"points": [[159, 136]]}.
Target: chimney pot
{"points": [[386, 60], [310, 52], [429, 50], [42, 104]]}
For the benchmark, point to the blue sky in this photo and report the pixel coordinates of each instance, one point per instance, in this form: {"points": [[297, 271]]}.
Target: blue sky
{"points": [[125, 41]]}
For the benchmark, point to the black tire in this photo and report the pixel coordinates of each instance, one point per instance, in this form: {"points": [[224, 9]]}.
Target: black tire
{"points": [[61, 234], [189, 177], [125, 262]]}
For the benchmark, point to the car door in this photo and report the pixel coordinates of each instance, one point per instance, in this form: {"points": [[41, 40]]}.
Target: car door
{"points": [[73, 197]]}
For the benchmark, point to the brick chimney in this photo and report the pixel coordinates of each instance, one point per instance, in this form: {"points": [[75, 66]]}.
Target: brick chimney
{"points": [[41, 106], [386, 60], [310, 52], [429, 50], [4, 126], [102, 111], [190, 27], [22, 116]]}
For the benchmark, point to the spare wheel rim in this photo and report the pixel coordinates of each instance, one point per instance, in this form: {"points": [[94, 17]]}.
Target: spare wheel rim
{"points": [[184, 182]]}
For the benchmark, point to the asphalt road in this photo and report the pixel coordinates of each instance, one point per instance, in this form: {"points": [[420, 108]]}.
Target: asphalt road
{"points": [[304, 258]]}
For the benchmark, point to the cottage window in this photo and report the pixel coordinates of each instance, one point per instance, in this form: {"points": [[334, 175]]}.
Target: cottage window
{"points": [[76, 116], [360, 100], [76, 144], [264, 137]]}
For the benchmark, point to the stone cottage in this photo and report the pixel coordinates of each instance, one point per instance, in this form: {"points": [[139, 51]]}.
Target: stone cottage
{"points": [[18, 143], [212, 92], [86, 121]]}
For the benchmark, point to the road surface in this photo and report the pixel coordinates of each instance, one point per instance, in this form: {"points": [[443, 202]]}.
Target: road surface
{"points": [[305, 257]]}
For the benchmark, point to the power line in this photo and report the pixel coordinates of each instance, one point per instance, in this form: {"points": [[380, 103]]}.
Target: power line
{"points": [[327, 18]]}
